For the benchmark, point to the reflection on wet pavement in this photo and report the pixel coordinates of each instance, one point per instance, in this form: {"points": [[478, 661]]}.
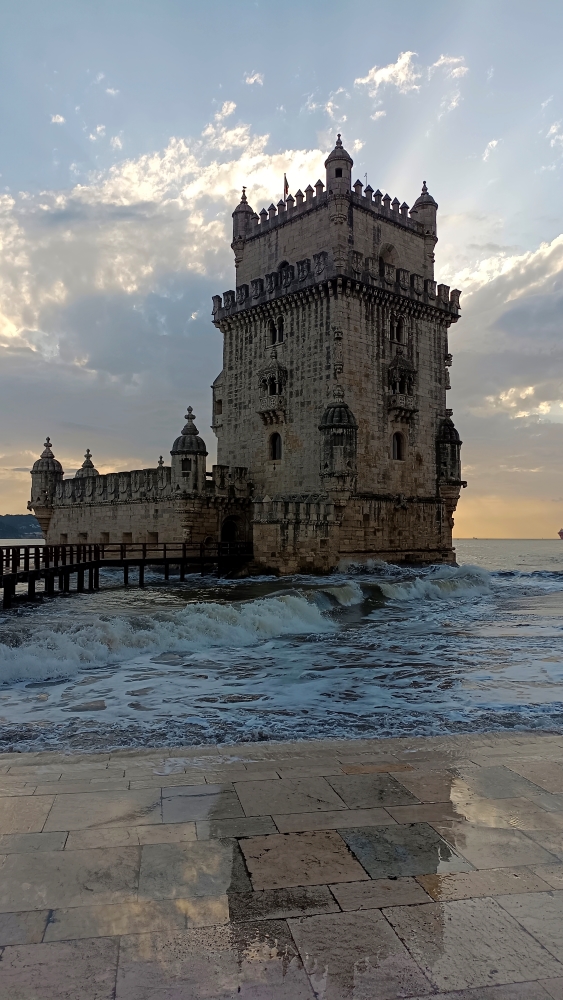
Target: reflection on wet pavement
{"points": [[321, 870]]}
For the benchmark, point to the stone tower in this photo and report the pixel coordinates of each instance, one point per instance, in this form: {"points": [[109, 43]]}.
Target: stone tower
{"points": [[333, 389]]}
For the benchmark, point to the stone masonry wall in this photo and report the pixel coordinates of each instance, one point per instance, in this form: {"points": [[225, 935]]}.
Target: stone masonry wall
{"points": [[340, 332], [358, 530], [134, 521]]}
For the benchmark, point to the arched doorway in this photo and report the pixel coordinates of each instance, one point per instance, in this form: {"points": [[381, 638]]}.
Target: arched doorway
{"points": [[230, 530]]}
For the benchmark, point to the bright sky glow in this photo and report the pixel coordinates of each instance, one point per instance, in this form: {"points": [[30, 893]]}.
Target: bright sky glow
{"points": [[128, 131]]}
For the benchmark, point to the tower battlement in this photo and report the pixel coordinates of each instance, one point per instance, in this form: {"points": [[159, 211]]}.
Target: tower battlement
{"points": [[337, 230]]}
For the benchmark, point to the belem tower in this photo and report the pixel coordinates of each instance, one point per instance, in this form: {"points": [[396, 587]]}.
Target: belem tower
{"points": [[335, 443]]}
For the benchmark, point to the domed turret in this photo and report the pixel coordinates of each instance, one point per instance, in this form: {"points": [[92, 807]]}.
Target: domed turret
{"points": [[424, 210], [448, 433], [448, 451], [87, 468], [47, 463], [189, 441], [242, 218], [339, 165], [337, 413], [46, 475], [188, 457], [339, 434]]}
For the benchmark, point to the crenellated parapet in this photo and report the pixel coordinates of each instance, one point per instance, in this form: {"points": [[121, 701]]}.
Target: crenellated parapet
{"points": [[116, 487], [321, 268]]}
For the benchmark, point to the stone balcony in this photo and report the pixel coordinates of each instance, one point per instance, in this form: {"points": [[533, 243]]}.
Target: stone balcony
{"points": [[272, 409], [402, 406]]}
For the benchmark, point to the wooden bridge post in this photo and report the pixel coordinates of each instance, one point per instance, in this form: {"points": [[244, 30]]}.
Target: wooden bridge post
{"points": [[125, 574], [31, 588], [91, 578], [9, 590]]}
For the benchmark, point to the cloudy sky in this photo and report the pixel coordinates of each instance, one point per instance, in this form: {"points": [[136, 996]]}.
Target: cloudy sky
{"points": [[128, 128]]}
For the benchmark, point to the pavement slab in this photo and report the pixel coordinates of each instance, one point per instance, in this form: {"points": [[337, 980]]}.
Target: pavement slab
{"points": [[68, 878], [82, 811], [415, 849], [25, 813], [312, 870], [295, 859], [379, 893], [249, 960], [287, 795], [469, 943], [541, 913], [204, 868], [490, 847], [489, 882], [62, 970], [364, 791], [356, 956], [277, 903]]}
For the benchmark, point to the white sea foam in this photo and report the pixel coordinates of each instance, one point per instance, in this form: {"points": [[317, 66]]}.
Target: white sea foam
{"points": [[441, 583], [61, 650]]}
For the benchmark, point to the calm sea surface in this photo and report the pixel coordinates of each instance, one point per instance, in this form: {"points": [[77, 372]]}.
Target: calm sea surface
{"points": [[382, 652]]}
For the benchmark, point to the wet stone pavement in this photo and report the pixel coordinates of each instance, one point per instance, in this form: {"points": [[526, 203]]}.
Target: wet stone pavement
{"points": [[337, 870]]}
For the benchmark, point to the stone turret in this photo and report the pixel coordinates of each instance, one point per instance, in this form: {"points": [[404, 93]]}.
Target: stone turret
{"points": [[448, 452], [339, 433], [188, 458], [87, 468], [242, 218], [424, 210], [339, 165], [46, 474]]}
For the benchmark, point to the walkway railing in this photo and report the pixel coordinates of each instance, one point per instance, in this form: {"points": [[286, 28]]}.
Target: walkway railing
{"points": [[55, 564]]}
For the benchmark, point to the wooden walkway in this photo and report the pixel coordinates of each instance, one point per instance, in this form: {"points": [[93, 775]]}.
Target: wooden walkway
{"points": [[56, 564]]}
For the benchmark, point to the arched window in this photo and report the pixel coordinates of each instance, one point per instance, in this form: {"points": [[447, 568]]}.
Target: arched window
{"points": [[398, 447], [276, 330], [399, 331], [275, 447], [272, 387]]}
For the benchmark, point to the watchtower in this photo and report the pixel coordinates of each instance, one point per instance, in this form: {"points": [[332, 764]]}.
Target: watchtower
{"points": [[336, 311]]}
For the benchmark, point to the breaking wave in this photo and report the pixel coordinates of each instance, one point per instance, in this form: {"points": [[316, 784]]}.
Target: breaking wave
{"points": [[441, 583], [62, 649]]}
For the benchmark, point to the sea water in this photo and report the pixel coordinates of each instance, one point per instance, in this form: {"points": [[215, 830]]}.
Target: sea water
{"points": [[365, 652]]}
